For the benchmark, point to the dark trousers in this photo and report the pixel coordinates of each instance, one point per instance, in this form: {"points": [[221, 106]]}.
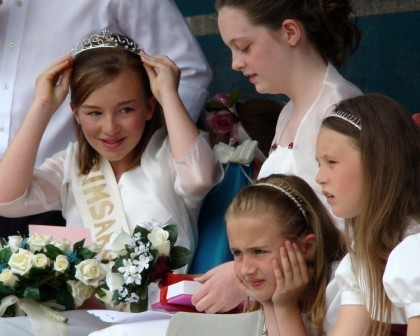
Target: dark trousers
{"points": [[16, 226]]}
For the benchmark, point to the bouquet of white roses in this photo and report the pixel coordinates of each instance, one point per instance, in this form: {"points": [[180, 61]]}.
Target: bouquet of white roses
{"points": [[47, 271], [143, 258]]}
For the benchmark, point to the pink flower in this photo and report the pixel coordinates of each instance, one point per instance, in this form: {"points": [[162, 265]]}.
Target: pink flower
{"points": [[416, 117], [220, 122], [222, 98]]}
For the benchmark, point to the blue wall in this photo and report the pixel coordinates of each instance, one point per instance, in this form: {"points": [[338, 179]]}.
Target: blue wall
{"points": [[387, 60]]}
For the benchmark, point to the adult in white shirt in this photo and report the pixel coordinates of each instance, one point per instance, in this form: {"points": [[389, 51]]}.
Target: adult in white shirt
{"points": [[34, 33]]}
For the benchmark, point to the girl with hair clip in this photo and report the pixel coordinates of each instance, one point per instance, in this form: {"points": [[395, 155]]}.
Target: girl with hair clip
{"points": [[368, 151], [126, 168], [286, 248], [289, 47]]}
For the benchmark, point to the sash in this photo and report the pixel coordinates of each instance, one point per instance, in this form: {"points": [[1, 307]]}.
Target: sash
{"points": [[99, 201]]}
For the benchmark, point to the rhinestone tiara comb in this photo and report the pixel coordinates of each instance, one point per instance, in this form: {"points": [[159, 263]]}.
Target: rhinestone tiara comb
{"points": [[106, 39], [347, 117], [286, 190]]}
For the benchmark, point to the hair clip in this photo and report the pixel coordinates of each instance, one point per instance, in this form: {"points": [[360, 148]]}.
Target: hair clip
{"points": [[347, 117], [106, 39], [286, 190]]}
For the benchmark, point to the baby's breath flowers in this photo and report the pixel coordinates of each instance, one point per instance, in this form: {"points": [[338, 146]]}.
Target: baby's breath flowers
{"points": [[143, 258]]}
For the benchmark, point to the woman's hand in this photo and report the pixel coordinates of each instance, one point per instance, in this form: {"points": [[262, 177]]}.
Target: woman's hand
{"points": [[164, 75], [52, 85], [293, 278]]}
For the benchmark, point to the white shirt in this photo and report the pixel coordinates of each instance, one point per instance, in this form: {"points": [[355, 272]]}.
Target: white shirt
{"points": [[169, 191], [400, 279], [33, 34]]}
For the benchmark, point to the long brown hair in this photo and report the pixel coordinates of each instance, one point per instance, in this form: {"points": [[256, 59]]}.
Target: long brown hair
{"points": [[389, 144], [294, 224], [91, 70], [328, 23]]}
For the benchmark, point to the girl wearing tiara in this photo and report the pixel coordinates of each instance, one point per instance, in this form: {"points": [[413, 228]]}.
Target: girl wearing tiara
{"points": [[286, 248], [126, 167], [368, 151], [289, 47]]}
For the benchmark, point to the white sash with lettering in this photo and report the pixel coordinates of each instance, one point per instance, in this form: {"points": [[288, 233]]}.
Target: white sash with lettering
{"points": [[99, 201]]}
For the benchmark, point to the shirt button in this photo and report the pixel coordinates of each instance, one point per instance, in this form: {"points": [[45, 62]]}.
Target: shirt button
{"points": [[5, 87], [1, 128], [12, 45]]}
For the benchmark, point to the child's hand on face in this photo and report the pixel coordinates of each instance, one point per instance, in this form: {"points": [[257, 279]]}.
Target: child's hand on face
{"points": [[164, 75], [52, 85], [294, 277]]}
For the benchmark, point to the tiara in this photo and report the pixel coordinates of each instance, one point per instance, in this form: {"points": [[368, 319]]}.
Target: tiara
{"points": [[347, 117], [286, 190], [106, 39]]}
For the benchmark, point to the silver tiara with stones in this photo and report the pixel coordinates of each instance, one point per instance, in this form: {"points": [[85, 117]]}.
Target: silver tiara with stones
{"points": [[347, 117], [106, 39]]}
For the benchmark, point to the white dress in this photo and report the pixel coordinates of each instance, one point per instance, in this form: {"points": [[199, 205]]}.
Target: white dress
{"points": [[169, 191], [161, 188], [401, 281], [334, 89]]}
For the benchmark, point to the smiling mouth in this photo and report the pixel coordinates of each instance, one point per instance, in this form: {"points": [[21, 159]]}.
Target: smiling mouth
{"points": [[112, 143]]}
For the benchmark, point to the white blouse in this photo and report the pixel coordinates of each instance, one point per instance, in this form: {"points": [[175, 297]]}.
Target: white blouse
{"points": [[401, 281], [161, 188], [334, 89]]}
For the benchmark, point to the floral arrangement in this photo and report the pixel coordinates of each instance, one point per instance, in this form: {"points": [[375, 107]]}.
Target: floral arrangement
{"points": [[145, 257], [47, 271], [222, 119]]}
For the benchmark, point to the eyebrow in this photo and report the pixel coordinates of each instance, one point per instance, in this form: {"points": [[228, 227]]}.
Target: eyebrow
{"points": [[85, 106]]}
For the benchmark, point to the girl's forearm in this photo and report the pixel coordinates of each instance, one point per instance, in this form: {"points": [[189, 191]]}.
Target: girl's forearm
{"points": [[17, 164]]}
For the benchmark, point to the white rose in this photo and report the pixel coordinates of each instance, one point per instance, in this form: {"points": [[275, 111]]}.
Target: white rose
{"points": [[79, 291], [14, 242], [61, 263], [8, 278], [90, 272], [107, 298], [62, 244], [38, 241], [40, 260], [114, 281], [95, 248], [117, 241], [159, 239], [21, 262]]}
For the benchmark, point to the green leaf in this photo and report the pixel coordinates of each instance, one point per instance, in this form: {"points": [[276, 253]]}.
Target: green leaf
{"points": [[173, 233], [52, 251], [139, 229], [139, 307], [214, 106], [32, 293], [65, 298], [85, 253], [233, 97], [180, 256], [77, 246], [6, 290], [5, 255]]}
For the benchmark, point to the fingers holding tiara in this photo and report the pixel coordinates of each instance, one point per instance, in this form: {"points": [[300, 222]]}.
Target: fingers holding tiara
{"points": [[164, 75]]}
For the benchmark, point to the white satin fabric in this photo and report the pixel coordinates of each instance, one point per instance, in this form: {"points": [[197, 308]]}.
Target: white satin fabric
{"points": [[169, 191], [335, 88], [401, 281]]}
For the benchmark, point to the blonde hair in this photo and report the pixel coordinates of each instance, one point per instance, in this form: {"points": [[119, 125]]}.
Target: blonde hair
{"points": [[389, 144], [293, 224]]}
